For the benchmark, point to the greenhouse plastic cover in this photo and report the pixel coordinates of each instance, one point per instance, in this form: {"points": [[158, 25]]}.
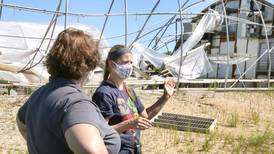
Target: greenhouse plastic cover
{"points": [[195, 62], [208, 23], [18, 42], [222, 59]]}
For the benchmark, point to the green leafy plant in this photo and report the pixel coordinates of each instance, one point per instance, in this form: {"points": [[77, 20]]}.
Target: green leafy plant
{"points": [[259, 138]]}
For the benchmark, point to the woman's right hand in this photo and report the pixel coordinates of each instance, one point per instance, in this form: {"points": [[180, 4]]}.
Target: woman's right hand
{"points": [[141, 123]]}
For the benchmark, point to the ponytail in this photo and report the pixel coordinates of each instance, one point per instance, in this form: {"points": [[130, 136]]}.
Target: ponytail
{"points": [[129, 92], [106, 71]]}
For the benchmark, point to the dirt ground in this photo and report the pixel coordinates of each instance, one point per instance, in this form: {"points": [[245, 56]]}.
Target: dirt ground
{"points": [[245, 123]]}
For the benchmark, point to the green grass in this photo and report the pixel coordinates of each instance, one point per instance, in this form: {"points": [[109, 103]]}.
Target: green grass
{"points": [[258, 142], [254, 117], [258, 139], [233, 119], [239, 145], [213, 86], [228, 140], [209, 142], [270, 92]]}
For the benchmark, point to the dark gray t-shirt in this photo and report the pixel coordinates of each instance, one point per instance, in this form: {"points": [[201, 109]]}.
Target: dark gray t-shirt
{"points": [[55, 107]]}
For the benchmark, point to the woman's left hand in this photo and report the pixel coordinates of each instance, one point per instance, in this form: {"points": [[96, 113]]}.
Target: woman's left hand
{"points": [[169, 87]]}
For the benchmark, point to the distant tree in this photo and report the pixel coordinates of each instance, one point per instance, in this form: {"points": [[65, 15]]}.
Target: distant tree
{"points": [[169, 53]]}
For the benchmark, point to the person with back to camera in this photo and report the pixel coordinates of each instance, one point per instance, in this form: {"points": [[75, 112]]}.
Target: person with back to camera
{"points": [[119, 104], [59, 117]]}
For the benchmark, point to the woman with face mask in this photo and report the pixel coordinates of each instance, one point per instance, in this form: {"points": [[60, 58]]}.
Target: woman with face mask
{"points": [[119, 104]]}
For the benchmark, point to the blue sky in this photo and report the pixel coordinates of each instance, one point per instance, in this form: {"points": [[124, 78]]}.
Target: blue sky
{"points": [[115, 25]]}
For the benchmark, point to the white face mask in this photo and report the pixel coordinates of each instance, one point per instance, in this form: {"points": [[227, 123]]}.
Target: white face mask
{"points": [[123, 71]]}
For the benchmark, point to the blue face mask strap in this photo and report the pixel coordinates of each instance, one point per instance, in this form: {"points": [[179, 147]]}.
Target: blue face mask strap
{"points": [[114, 63]]}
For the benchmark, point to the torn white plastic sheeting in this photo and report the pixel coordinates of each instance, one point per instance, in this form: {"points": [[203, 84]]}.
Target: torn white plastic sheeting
{"points": [[10, 57], [19, 77], [20, 37], [9, 75], [34, 75], [208, 23], [19, 41], [142, 53], [194, 65], [222, 59]]}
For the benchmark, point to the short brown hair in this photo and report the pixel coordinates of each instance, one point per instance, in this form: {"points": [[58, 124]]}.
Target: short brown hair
{"points": [[73, 54]]}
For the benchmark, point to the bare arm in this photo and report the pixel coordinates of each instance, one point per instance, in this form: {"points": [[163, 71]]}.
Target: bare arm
{"points": [[123, 126], [85, 139], [155, 108], [22, 127], [140, 123]]}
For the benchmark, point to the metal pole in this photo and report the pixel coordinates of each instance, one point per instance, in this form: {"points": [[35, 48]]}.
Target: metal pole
{"points": [[227, 39], [228, 17], [30, 62], [53, 22], [267, 42], [125, 5], [122, 14], [176, 31], [164, 44], [106, 20], [47, 49], [184, 9], [167, 24], [1, 9], [66, 14], [153, 30], [44, 11], [137, 37], [159, 38], [253, 64], [181, 56]]}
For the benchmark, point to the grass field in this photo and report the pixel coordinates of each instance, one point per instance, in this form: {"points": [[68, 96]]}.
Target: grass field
{"points": [[245, 123]]}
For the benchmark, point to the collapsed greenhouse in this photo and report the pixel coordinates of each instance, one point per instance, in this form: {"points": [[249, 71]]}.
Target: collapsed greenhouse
{"points": [[225, 43]]}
